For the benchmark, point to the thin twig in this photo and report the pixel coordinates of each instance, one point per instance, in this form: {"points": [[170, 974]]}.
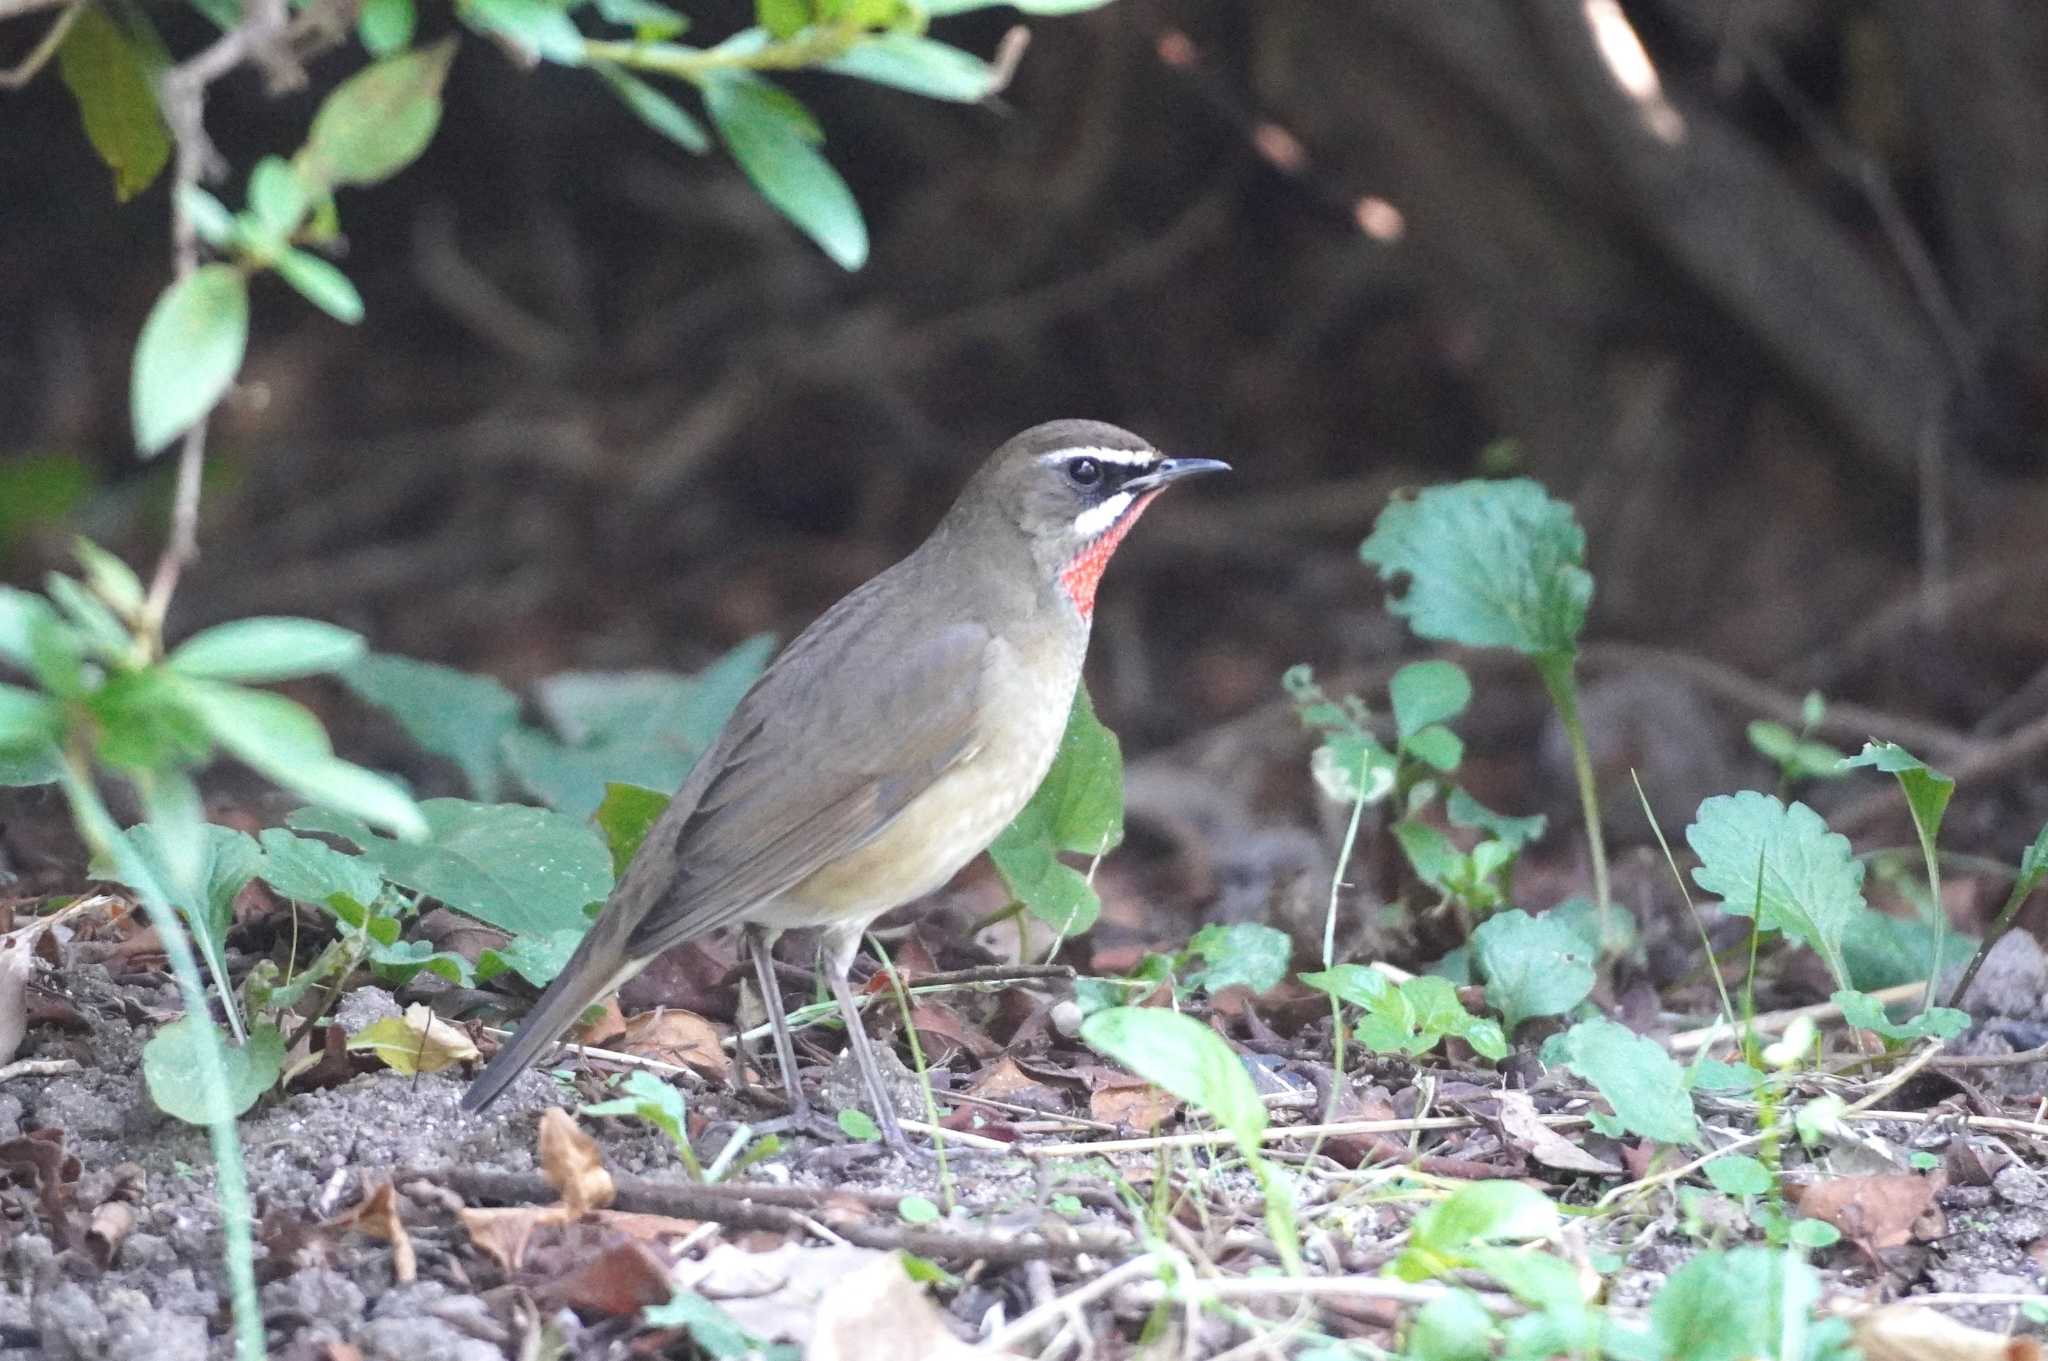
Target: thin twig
{"points": [[1067, 1306], [1274, 1134], [25, 70], [2023, 1057]]}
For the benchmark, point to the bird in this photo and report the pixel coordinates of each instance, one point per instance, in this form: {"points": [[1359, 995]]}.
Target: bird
{"points": [[884, 748]]}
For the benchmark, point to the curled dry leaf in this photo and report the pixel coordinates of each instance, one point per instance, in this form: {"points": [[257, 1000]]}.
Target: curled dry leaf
{"points": [[417, 1042], [376, 1214], [879, 1314], [624, 1279], [570, 1161], [1138, 1106], [1876, 1212], [17, 963], [683, 1038], [1906, 1332], [608, 1026], [1522, 1128]]}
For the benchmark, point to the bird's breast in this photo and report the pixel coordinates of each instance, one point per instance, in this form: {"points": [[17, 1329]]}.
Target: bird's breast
{"points": [[939, 831]]}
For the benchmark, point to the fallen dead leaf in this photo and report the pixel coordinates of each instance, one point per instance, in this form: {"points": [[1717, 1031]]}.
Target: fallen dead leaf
{"points": [[1003, 1080], [570, 1161], [17, 963], [1907, 1332], [376, 1214], [503, 1235], [773, 1294], [879, 1314], [1876, 1212], [1139, 1107], [609, 1025], [417, 1042], [622, 1280], [1519, 1122], [943, 1033], [38, 1160], [671, 1035]]}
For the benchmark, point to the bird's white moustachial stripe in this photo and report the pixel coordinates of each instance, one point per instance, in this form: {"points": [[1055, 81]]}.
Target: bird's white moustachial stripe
{"points": [[1098, 518]]}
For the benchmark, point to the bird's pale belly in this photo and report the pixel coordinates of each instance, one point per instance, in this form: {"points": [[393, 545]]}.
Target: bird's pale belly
{"points": [[939, 832]]}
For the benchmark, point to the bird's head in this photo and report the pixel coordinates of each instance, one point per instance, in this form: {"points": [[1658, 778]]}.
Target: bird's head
{"points": [[1074, 489]]}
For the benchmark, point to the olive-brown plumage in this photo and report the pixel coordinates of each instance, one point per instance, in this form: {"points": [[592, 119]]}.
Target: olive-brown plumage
{"points": [[886, 746]]}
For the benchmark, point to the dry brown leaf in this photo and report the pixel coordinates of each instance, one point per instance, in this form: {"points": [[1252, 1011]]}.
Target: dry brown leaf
{"points": [[879, 1314], [1137, 1106], [376, 1214], [570, 1161], [504, 1234], [1877, 1211], [609, 1025], [1908, 1332], [108, 1228], [1518, 1120], [624, 1279], [943, 1032], [670, 1035]]}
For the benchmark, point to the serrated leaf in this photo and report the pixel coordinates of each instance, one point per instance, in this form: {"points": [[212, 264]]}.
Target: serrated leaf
{"points": [[654, 108], [920, 65], [1533, 966], [378, 121], [262, 649], [448, 712], [321, 284], [1240, 954], [1927, 790], [1811, 887], [189, 352], [1084, 789], [116, 100], [385, 26], [772, 138], [1053, 891], [1184, 1057], [172, 1066], [1427, 693], [523, 870], [1489, 564], [1644, 1085], [1737, 1175]]}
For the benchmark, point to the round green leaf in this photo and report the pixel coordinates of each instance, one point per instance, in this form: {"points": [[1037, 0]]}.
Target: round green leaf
{"points": [[1186, 1058], [266, 649], [171, 1065], [190, 350]]}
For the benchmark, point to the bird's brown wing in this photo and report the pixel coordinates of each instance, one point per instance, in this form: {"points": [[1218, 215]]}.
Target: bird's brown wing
{"points": [[812, 766]]}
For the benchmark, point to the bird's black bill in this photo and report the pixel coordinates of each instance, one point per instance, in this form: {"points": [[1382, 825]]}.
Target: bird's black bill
{"points": [[1169, 470]]}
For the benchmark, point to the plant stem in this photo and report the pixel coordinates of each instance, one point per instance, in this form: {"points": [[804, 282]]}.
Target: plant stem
{"points": [[97, 828], [1926, 835], [1556, 670], [2021, 891], [809, 48], [924, 1077]]}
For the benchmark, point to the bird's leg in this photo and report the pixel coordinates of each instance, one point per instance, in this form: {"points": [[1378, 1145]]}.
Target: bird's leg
{"points": [[837, 947], [760, 943]]}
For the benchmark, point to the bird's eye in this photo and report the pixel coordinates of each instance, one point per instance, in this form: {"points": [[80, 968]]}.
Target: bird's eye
{"points": [[1084, 472]]}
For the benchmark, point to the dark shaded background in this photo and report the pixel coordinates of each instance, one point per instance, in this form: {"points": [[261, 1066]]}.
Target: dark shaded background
{"points": [[1779, 340]]}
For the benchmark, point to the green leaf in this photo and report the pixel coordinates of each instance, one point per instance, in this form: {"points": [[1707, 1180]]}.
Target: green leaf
{"points": [[210, 217], [1453, 1327], [379, 120], [1533, 966], [657, 110], [2033, 860], [221, 863], [1644, 1085], [1483, 1212], [1436, 747], [109, 79], [1054, 892], [172, 1064], [24, 616], [1800, 758], [712, 1329], [523, 870], [1353, 983], [773, 138], [624, 817], [537, 959], [1083, 790], [1490, 564], [647, 1097], [385, 26], [321, 284], [1412, 1018], [266, 649], [939, 9], [314, 872], [448, 712], [111, 579], [1865, 1012], [1465, 811], [278, 197], [782, 18], [917, 1210], [1241, 954], [650, 21], [922, 66], [1426, 693], [540, 27], [99, 626], [1730, 1306], [28, 721], [1186, 1058], [858, 1124], [1811, 887], [1737, 1175], [283, 741], [1883, 951], [1712, 1075], [38, 490], [1927, 790], [143, 724], [190, 350], [21, 767]]}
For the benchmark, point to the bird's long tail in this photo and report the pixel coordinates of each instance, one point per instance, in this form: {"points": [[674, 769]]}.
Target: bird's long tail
{"points": [[598, 966]]}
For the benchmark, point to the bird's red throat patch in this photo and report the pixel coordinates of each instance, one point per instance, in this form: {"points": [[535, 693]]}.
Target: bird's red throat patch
{"points": [[1081, 576]]}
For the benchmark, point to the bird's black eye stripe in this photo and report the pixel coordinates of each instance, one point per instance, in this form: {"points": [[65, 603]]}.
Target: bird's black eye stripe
{"points": [[1084, 471]]}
